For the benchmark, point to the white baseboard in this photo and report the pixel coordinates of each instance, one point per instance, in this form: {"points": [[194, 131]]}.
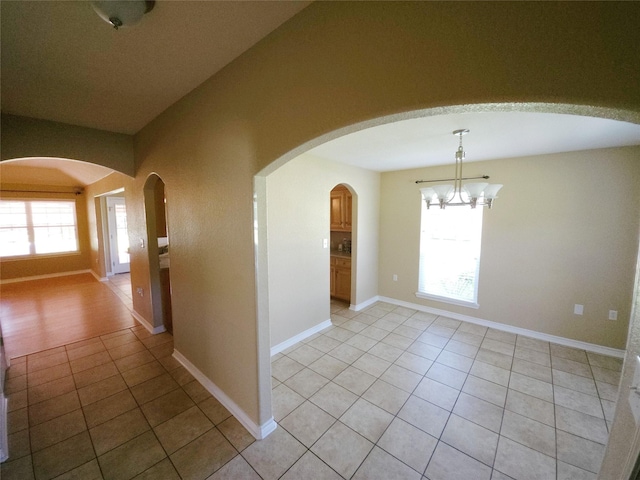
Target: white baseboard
{"points": [[567, 342], [299, 337], [142, 321], [99, 278], [258, 431], [365, 304], [40, 277], [4, 438]]}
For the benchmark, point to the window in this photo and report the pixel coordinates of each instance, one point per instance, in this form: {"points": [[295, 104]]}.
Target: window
{"points": [[37, 227], [450, 254]]}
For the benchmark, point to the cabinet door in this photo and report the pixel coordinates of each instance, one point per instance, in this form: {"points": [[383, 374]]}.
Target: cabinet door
{"points": [[343, 284], [332, 281], [336, 211], [347, 204]]}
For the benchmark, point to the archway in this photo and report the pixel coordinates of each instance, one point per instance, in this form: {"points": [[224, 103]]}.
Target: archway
{"points": [[158, 253]]}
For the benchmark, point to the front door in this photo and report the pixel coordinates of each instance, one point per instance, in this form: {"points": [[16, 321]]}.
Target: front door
{"points": [[118, 235]]}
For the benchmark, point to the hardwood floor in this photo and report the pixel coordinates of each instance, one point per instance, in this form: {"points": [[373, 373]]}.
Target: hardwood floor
{"points": [[41, 314]]}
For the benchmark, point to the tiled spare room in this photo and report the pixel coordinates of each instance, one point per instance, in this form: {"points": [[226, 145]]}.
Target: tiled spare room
{"points": [[387, 393]]}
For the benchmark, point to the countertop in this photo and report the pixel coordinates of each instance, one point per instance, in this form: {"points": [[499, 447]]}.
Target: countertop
{"points": [[334, 252]]}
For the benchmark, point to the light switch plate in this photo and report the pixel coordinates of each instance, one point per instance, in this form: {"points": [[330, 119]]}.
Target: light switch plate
{"points": [[634, 394]]}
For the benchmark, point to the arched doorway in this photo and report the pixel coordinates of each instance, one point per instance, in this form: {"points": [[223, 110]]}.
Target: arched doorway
{"points": [[158, 253]]}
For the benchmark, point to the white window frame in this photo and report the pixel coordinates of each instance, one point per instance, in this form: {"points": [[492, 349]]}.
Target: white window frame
{"points": [[430, 241], [30, 227]]}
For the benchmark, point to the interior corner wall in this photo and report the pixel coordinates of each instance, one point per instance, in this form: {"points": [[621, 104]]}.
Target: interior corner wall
{"points": [[110, 183], [563, 231], [297, 223]]}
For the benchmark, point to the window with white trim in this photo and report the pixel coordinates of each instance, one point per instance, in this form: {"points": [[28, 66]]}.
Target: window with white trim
{"points": [[450, 254], [37, 227]]}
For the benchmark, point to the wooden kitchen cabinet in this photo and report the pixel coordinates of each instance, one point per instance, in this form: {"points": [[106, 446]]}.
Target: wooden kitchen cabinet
{"points": [[341, 205], [340, 268]]}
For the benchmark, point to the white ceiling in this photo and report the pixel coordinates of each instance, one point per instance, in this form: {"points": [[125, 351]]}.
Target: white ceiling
{"points": [[61, 62]]}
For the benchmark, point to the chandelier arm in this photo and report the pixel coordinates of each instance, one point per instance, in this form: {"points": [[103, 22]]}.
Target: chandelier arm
{"points": [[452, 179]]}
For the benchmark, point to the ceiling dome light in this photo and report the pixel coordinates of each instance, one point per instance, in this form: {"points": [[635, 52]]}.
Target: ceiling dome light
{"points": [[122, 13]]}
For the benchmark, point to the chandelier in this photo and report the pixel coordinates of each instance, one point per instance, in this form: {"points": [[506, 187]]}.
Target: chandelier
{"points": [[472, 194]]}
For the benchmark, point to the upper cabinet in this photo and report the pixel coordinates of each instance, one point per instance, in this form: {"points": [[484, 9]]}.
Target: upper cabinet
{"points": [[341, 209]]}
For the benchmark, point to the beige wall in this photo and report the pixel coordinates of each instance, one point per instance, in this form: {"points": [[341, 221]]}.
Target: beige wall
{"points": [[563, 231], [29, 137], [298, 221], [54, 264], [328, 70]]}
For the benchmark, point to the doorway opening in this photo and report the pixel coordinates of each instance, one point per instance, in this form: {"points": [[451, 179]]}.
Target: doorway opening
{"points": [[155, 203], [341, 225]]}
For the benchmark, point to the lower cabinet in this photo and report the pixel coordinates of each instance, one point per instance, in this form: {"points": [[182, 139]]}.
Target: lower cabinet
{"points": [[340, 268]]}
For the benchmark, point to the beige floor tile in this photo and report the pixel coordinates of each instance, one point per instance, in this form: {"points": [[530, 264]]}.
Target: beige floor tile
{"points": [[147, 371], [529, 432], [88, 471], [530, 369], [470, 438], [283, 401], [19, 445], [361, 342], [90, 361], [581, 424], [334, 399], [325, 344], [367, 419], [354, 380], [306, 382], [214, 410], [49, 409], [447, 375], [580, 452], [46, 391], [126, 349], [181, 375], [163, 470], [108, 408], [424, 415], [414, 362], [519, 461], [37, 362], [570, 366], [575, 382], [604, 361], [485, 390], [569, 353], [386, 396], [151, 389], [467, 337], [501, 336], [311, 467], [531, 386], [118, 430], [17, 400], [15, 384], [455, 360], [167, 406], [379, 464], [343, 352], [569, 472], [48, 374], [305, 354], [235, 432], [371, 364], [307, 423], [578, 401], [21, 469], [132, 457], [491, 373], [479, 411], [533, 344], [408, 443], [534, 356], [196, 391], [342, 449], [181, 429], [606, 375], [133, 361], [531, 407], [95, 374], [17, 420], [102, 389], [274, 455], [159, 339], [328, 366], [437, 393], [340, 334], [401, 377], [203, 456], [63, 456], [462, 348], [60, 428], [495, 358], [87, 348], [285, 367], [163, 350], [236, 469], [447, 463]]}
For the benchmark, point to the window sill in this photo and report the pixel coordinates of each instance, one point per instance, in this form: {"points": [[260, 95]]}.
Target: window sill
{"points": [[39, 256], [452, 301]]}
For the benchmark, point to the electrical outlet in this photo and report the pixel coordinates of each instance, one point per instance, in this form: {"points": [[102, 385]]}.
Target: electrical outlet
{"points": [[395, 277], [140, 291], [325, 242], [613, 314], [578, 309]]}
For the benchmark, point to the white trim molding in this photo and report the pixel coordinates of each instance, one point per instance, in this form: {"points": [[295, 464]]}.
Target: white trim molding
{"points": [[41, 277], [299, 337], [258, 431], [143, 321], [99, 278], [567, 342], [365, 304], [4, 438]]}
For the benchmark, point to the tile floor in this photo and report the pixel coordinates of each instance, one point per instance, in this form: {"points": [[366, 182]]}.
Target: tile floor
{"points": [[387, 393]]}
